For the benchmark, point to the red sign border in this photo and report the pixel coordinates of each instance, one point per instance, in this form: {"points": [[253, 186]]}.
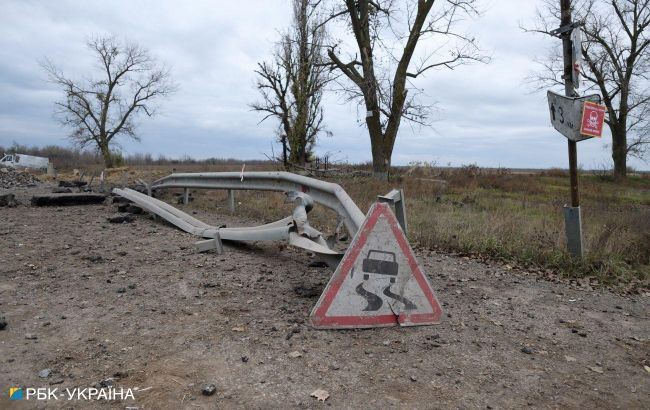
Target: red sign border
{"points": [[318, 316]]}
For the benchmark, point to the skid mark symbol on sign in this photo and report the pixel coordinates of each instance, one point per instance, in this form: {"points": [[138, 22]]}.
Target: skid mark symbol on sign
{"points": [[378, 282]]}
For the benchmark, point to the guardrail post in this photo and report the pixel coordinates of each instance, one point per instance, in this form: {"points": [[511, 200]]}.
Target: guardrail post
{"points": [[231, 200], [395, 199], [186, 196]]}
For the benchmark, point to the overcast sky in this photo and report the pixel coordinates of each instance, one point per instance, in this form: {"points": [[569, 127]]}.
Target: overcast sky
{"points": [[487, 114]]}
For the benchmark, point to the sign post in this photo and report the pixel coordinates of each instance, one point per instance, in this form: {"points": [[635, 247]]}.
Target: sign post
{"points": [[577, 118]]}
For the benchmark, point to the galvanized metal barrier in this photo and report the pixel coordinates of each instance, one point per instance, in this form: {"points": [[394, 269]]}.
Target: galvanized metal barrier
{"points": [[295, 229], [327, 194], [302, 191]]}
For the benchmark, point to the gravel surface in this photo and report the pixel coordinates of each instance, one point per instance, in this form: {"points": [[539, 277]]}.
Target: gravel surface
{"points": [[133, 305], [10, 178]]}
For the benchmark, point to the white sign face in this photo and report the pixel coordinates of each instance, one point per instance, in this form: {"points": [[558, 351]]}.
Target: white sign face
{"points": [[378, 282], [576, 56], [566, 114]]}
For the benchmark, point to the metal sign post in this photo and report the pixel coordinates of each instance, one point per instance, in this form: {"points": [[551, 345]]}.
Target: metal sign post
{"points": [[572, 217], [577, 118]]}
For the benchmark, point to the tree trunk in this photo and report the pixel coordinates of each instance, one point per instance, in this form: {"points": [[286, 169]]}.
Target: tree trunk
{"points": [[619, 151], [106, 155], [285, 159], [380, 158]]}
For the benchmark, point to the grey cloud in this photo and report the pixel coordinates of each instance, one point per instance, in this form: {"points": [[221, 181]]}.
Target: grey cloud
{"points": [[486, 113]]}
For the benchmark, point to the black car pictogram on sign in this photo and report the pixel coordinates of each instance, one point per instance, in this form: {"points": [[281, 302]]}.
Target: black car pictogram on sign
{"points": [[383, 263]]}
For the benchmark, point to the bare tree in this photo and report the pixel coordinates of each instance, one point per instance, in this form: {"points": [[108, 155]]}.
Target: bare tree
{"points": [[291, 85], [382, 69], [616, 55], [100, 109]]}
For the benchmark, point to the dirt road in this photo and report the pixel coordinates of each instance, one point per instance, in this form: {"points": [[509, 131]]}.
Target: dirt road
{"points": [[133, 305]]}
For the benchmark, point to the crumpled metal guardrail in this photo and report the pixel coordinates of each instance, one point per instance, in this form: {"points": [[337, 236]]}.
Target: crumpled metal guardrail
{"points": [[325, 193], [302, 191], [303, 235]]}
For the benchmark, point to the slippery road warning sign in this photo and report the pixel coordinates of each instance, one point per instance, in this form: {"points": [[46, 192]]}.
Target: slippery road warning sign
{"points": [[378, 282]]}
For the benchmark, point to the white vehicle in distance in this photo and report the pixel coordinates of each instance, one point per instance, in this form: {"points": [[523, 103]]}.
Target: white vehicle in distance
{"points": [[24, 161]]}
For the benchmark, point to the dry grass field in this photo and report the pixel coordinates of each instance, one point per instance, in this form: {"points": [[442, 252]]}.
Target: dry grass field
{"points": [[496, 214]]}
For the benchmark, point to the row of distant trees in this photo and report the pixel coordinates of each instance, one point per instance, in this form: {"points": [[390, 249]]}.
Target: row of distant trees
{"points": [[377, 66], [74, 157]]}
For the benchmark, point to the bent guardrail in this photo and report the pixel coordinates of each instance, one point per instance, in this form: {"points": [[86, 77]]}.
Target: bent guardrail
{"points": [[328, 194]]}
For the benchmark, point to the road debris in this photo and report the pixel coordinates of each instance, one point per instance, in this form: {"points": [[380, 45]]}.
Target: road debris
{"points": [[320, 394], [209, 390], [67, 199], [8, 200], [120, 218], [12, 178]]}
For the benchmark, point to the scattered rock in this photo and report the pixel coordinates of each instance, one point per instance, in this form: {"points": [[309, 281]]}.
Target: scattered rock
{"points": [[8, 200], [93, 258], [295, 354], [30, 336], [596, 369], [120, 375], [106, 382], [134, 209], [3, 323], [307, 292], [570, 358], [44, 374], [120, 218], [72, 184], [317, 264], [320, 394], [121, 290], [527, 350], [244, 359], [209, 390], [10, 178]]}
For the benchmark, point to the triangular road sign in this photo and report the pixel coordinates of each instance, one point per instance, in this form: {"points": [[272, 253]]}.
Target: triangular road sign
{"points": [[378, 282]]}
